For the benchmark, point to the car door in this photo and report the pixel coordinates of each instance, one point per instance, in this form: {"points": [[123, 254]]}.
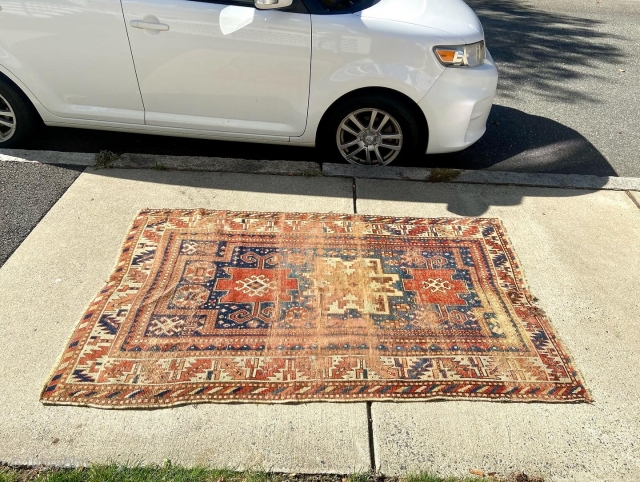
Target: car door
{"points": [[73, 56], [221, 65]]}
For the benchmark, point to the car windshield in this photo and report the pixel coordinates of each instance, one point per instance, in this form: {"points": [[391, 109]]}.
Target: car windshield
{"points": [[346, 5]]}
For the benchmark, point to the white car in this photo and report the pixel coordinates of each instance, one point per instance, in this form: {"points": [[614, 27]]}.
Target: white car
{"points": [[369, 81]]}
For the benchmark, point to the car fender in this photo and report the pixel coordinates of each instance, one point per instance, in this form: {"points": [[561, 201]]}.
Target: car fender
{"points": [[42, 111], [350, 53]]}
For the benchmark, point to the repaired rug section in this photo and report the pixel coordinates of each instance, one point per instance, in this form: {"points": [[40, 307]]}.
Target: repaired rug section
{"points": [[218, 306]]}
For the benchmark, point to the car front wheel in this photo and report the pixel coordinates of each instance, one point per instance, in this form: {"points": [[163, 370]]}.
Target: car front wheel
{"points": [[372, 131]]}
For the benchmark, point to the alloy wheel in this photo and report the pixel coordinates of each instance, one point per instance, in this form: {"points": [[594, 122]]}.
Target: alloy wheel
{"points": [[7, 120], [369, 137]]}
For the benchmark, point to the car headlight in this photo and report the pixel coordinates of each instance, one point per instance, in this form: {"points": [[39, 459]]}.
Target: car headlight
{"points": [[469, 55]]}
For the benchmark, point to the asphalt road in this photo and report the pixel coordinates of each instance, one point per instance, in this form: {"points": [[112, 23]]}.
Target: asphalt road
{"points": [[27, 192], [568, 100]]}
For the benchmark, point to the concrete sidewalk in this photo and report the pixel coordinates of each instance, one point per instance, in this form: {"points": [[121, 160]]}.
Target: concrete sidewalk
{"points": [[580, 251]]}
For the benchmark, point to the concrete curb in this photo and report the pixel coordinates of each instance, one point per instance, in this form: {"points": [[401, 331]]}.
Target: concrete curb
{"points": [[48, 157], [306, 168], [569, 181], [173, 163], [217, 164]]}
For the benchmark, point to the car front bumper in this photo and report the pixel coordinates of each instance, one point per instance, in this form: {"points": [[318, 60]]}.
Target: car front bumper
{"points": [[458, 105]]}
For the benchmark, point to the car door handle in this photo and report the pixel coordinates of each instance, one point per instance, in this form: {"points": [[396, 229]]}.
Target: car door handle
{"points": [[160, 27]]}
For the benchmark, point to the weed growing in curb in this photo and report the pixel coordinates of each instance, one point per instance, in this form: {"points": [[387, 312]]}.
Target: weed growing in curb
{"points": [[443, 175], [104, 159]]}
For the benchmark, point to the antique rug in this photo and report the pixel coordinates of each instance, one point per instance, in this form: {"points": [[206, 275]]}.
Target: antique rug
{"points": [[218, 306]]}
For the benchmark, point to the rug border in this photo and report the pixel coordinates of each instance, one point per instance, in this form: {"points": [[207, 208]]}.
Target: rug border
{"points": [[240, 401], [559, 340], [134, 232], [130, 230]]}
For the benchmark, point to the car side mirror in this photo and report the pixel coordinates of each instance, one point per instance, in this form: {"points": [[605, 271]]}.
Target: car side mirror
{"points": [[270, 4]]}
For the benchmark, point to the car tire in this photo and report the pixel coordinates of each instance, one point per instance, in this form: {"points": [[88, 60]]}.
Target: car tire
{"points": [[17, 110], [399, 139]]}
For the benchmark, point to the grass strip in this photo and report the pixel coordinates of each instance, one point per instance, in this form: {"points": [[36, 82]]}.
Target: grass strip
{"points": [[173, 473]]}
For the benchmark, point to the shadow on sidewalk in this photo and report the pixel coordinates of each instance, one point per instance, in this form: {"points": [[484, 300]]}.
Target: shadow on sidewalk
{"points": [[468, 200], [461, 199]]}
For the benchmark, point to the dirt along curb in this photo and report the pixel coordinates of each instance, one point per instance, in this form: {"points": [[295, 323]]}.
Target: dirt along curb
{"points": [[306, 168]]}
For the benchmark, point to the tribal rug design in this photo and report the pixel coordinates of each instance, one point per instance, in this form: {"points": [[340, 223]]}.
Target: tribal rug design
{"points": [[217, 306]]}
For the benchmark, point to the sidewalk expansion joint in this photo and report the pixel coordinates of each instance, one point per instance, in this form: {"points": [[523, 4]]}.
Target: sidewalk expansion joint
{"points": [[372, 450], [355, 195], [633, 199]]}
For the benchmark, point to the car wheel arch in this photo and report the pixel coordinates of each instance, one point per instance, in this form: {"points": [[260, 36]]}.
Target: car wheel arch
{"points": [[21, 91], [367, 91]]}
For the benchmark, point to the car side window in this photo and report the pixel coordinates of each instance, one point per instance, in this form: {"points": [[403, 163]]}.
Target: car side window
{"points": [[297, 7], [242, 3], [328, 7]]}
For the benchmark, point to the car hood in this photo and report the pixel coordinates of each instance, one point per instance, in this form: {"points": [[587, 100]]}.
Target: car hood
{"points": [[451, 16]]}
